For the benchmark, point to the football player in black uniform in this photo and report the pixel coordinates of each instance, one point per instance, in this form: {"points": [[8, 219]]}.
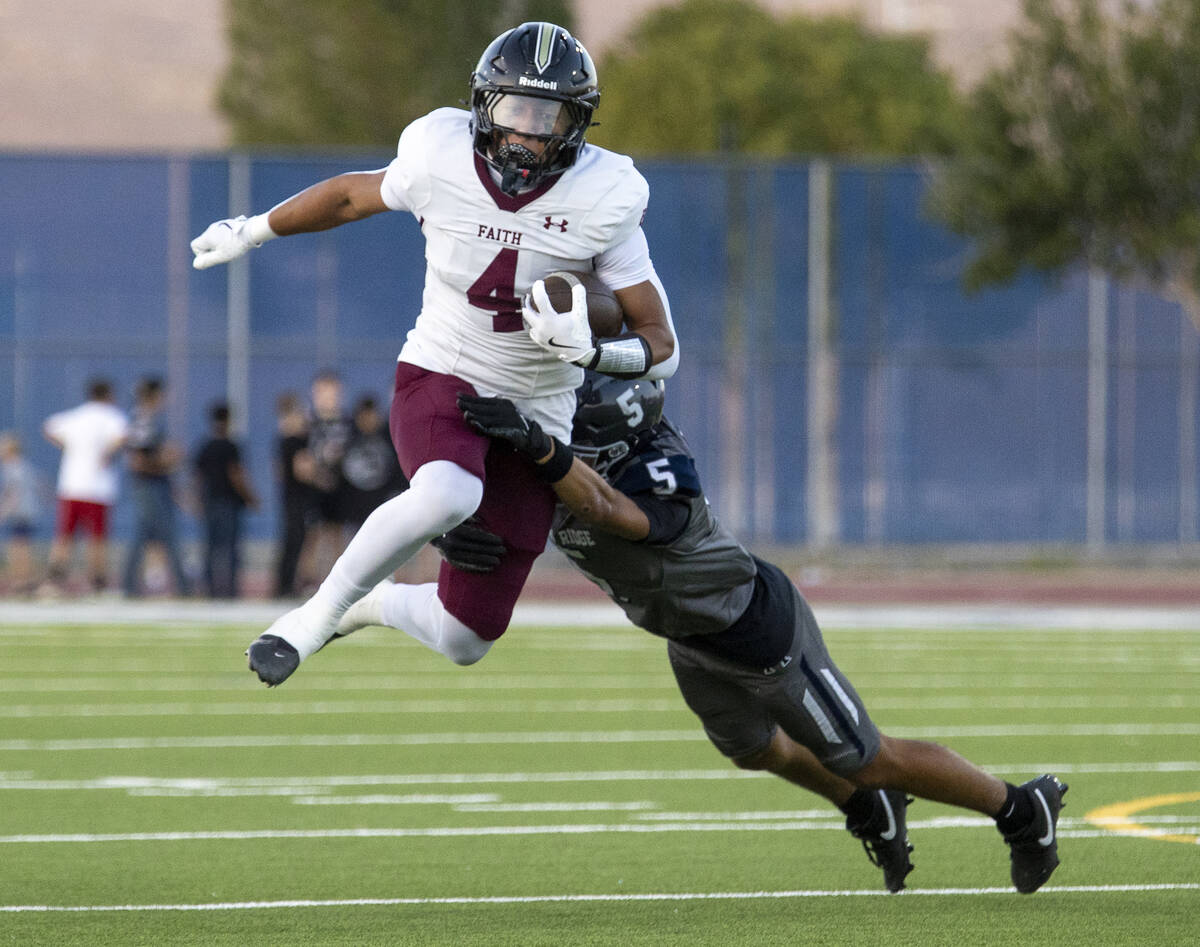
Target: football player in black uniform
{"points": [[745, 648]]}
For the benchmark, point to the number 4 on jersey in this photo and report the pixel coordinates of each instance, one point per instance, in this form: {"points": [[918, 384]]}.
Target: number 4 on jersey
{"points": [[495, 291]]}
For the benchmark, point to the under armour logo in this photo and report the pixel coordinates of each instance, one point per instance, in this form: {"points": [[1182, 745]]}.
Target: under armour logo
{"points": [[560, 224]]}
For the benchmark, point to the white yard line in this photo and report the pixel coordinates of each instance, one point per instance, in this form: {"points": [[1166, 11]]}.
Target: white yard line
{"points": [[1051, 890], [594, 614], [280, 741], [356, 707], [307, 785], [615, 705], [826, 824], [242, 682]]}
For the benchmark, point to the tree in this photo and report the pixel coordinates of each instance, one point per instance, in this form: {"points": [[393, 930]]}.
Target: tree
{"points": [[1086, 148], [714, 75], [355, 72]]}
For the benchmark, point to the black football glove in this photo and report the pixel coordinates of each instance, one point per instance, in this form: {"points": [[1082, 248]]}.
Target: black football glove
{"points": [[470, 547], [499, 418]]}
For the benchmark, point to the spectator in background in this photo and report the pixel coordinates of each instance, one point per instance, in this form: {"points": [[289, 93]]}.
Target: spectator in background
{"points": [[293, 472], [19, 505], [152, 459], [225, 490], [329, 431], [369, 469], [90, 437]]}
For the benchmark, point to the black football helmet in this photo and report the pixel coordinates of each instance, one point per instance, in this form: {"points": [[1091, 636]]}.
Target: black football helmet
{"points": [[536, 80], [611, 414]]}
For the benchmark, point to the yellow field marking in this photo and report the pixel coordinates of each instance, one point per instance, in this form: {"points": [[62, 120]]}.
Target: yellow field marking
{"points": [[1118, 817]]}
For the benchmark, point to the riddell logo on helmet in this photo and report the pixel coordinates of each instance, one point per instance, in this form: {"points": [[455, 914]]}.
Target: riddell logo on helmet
{"points": [[537, 83]]}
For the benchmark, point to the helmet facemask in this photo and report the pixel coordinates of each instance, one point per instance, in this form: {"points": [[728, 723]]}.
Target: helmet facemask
{"points": [[515, 125], [602, 459]]}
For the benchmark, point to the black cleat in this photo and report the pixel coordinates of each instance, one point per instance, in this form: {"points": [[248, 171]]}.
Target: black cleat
{"points": [[272, 659], [887, 847], [1034, 849]]}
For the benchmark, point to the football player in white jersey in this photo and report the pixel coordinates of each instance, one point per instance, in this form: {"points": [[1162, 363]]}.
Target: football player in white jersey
{"points": [[505, 193]]}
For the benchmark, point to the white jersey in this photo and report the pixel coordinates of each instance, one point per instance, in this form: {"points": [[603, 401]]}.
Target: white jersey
{"points": [[89, 435], [485, 249]]}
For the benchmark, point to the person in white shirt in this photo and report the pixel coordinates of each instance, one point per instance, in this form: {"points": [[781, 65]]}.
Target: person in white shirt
{"points": [[90, 436], [505, 194]]}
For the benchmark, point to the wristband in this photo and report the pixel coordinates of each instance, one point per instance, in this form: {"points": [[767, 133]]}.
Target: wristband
{"points": [[554, 469], [258, 231], [626, 356]]}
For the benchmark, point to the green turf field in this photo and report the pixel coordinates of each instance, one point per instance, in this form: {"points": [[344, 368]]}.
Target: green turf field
{"points": [[152, 792]]}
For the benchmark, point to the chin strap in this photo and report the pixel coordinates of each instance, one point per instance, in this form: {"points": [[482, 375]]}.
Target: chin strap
{"points": [[516, 164], [512, 179]]}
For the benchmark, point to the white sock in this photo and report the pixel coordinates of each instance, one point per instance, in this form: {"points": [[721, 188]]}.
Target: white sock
{"points": [[419, 613], [440, 496]]}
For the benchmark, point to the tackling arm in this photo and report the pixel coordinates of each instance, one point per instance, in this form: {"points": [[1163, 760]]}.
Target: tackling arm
{"points": [[591, 498], [583, 491]]}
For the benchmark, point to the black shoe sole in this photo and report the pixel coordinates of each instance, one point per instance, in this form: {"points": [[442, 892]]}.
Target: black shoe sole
{"points": [[272, 659]]}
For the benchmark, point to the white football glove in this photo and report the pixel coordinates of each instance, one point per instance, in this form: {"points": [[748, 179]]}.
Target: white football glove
{"points": [[565, 334], [229, 239]]}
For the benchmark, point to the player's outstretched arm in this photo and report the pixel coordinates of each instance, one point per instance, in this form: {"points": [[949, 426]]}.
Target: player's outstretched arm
{"points": [[329, 203]]}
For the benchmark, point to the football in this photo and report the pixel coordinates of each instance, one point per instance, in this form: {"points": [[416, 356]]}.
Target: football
{"points": [[604, 311]]}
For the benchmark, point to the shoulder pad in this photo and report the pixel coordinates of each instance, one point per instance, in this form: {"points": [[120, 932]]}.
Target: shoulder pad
{"points": [[619, 199], [660, 474]]}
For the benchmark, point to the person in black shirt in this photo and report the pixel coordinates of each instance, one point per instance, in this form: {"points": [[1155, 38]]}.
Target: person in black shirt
{"points": [[225, 491], [295, 492], [329, 433], [370, 471]]}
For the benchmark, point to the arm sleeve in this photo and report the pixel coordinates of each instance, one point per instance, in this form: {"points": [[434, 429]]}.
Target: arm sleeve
{"points": [[627, 263], [668, 517], [618, 207]]}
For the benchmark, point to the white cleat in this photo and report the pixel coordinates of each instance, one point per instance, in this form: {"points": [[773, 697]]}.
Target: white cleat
{"points": [[364, 613]]}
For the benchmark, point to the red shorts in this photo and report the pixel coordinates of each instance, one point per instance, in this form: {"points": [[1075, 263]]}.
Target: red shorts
{"points": [[73, 514], [426, 425]]}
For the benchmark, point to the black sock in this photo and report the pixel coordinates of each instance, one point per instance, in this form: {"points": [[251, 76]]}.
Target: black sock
{"points": [[860, 807], [1017, 811]]}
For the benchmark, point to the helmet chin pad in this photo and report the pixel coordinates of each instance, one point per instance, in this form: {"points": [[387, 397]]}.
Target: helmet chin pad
{"points": [[517, 156]]}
